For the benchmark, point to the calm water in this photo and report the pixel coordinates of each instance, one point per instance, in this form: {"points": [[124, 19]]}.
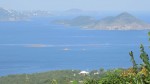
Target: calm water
{"points": [[28, 47]]}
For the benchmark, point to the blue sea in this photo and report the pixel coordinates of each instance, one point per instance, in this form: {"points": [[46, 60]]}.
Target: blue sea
{"points": [[38, 46]]}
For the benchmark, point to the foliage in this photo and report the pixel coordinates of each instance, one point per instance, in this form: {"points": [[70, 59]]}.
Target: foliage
{"points": [[91, 81], [51, 77]]}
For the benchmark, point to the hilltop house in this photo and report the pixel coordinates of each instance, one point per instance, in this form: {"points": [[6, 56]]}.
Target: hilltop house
{"points": [[84, 73]]}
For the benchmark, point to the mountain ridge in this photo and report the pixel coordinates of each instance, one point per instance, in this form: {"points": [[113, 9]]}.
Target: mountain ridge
{"points": [[123, 21]]}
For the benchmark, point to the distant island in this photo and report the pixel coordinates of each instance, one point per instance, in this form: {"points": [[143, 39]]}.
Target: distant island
{"points": [[13, 15], [123, 21]]}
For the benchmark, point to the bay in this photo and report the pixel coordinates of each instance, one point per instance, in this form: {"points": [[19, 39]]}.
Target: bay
{"points": [[37, 46]]}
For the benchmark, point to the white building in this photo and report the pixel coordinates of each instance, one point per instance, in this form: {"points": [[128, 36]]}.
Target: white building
{"points": [[84, 73]]}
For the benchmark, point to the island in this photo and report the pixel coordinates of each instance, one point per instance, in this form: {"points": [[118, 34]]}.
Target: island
{"points": [[123, 21]]}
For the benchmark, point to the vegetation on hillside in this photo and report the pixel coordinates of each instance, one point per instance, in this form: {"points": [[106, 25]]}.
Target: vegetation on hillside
{"points": [[52, 77]]}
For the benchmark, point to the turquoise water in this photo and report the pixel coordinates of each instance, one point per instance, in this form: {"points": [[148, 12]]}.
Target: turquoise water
{"points": [[29, 47]]}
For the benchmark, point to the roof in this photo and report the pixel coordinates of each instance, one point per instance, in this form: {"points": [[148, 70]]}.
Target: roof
{"points": [[84, 72]]}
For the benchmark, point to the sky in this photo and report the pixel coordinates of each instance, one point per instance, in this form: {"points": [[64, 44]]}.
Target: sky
{"points": [[94, 5]]}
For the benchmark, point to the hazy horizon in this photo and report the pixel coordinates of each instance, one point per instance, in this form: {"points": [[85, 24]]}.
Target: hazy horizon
{"points": [[88, 5]]}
